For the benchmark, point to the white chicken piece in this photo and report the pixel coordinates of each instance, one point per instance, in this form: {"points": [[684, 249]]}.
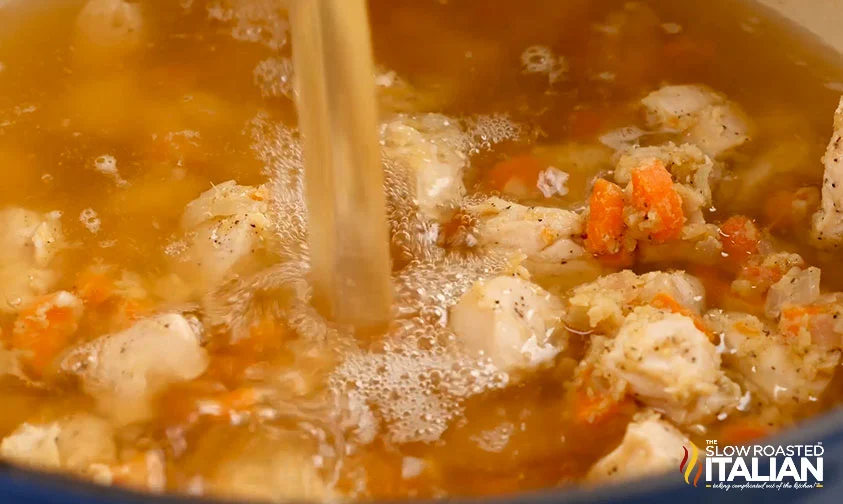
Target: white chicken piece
{"points": [[651, 446], [604, 303], [75, 443], [123, 371], [510, 321], [785, 370], [33, 445], [277, 468], [545, 235], [109, 28], [797, 287], [669, 364], [703, 117], [433, 146], [828, 221], [677, 107], [30, 242], [227, 233]]}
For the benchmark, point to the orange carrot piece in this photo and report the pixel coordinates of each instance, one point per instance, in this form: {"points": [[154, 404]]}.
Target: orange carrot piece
{"points": [[592, 407], [517, 175], [238, 400], [94, 287], [665, 301], [740, 238], [605, 228], [796, 318], [44, 329], [653, 194]]}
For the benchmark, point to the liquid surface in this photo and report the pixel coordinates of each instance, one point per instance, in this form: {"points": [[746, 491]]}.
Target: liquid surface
{"points": [[113, 129]]}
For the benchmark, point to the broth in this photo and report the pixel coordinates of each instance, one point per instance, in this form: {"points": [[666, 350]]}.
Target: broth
{"points": [[282, 404]]}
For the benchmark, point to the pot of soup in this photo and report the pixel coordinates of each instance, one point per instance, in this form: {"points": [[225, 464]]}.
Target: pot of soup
{"points": [[535, 251]]}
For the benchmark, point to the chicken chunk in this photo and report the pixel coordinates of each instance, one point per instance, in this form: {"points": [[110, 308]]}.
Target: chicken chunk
{"points": [[281, 467], [785, 371], [33, 445], [434, 148], [797, 287], [604, 303], [669, 364], [227, 233], [109, 28], [650, 446], [545, 235], [75, 443], [509, 320], [701, 116], [828, 221], [30, 242], [123, 371], [677, 107]]}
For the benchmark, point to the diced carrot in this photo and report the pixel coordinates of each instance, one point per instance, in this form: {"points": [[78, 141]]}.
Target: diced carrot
{"points": [[98, 289], [590, 404], [518, 175], [189, 402], [133, 309], [238, 400], [665, 301], [740, 238], [94, 287], [795, 319], [760, 276], [267, 336], [592, 407], [653, 194], [44, 329], [605, 227]]}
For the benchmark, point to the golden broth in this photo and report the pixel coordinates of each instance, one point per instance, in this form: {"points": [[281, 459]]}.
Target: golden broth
{"points": [[175, 118]]}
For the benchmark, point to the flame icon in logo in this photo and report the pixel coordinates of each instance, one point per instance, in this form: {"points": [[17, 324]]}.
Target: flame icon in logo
{"points": [[687, 470]]}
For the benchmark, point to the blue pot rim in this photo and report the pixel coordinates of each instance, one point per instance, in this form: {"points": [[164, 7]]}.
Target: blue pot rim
{"points": [[31, 486]]}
